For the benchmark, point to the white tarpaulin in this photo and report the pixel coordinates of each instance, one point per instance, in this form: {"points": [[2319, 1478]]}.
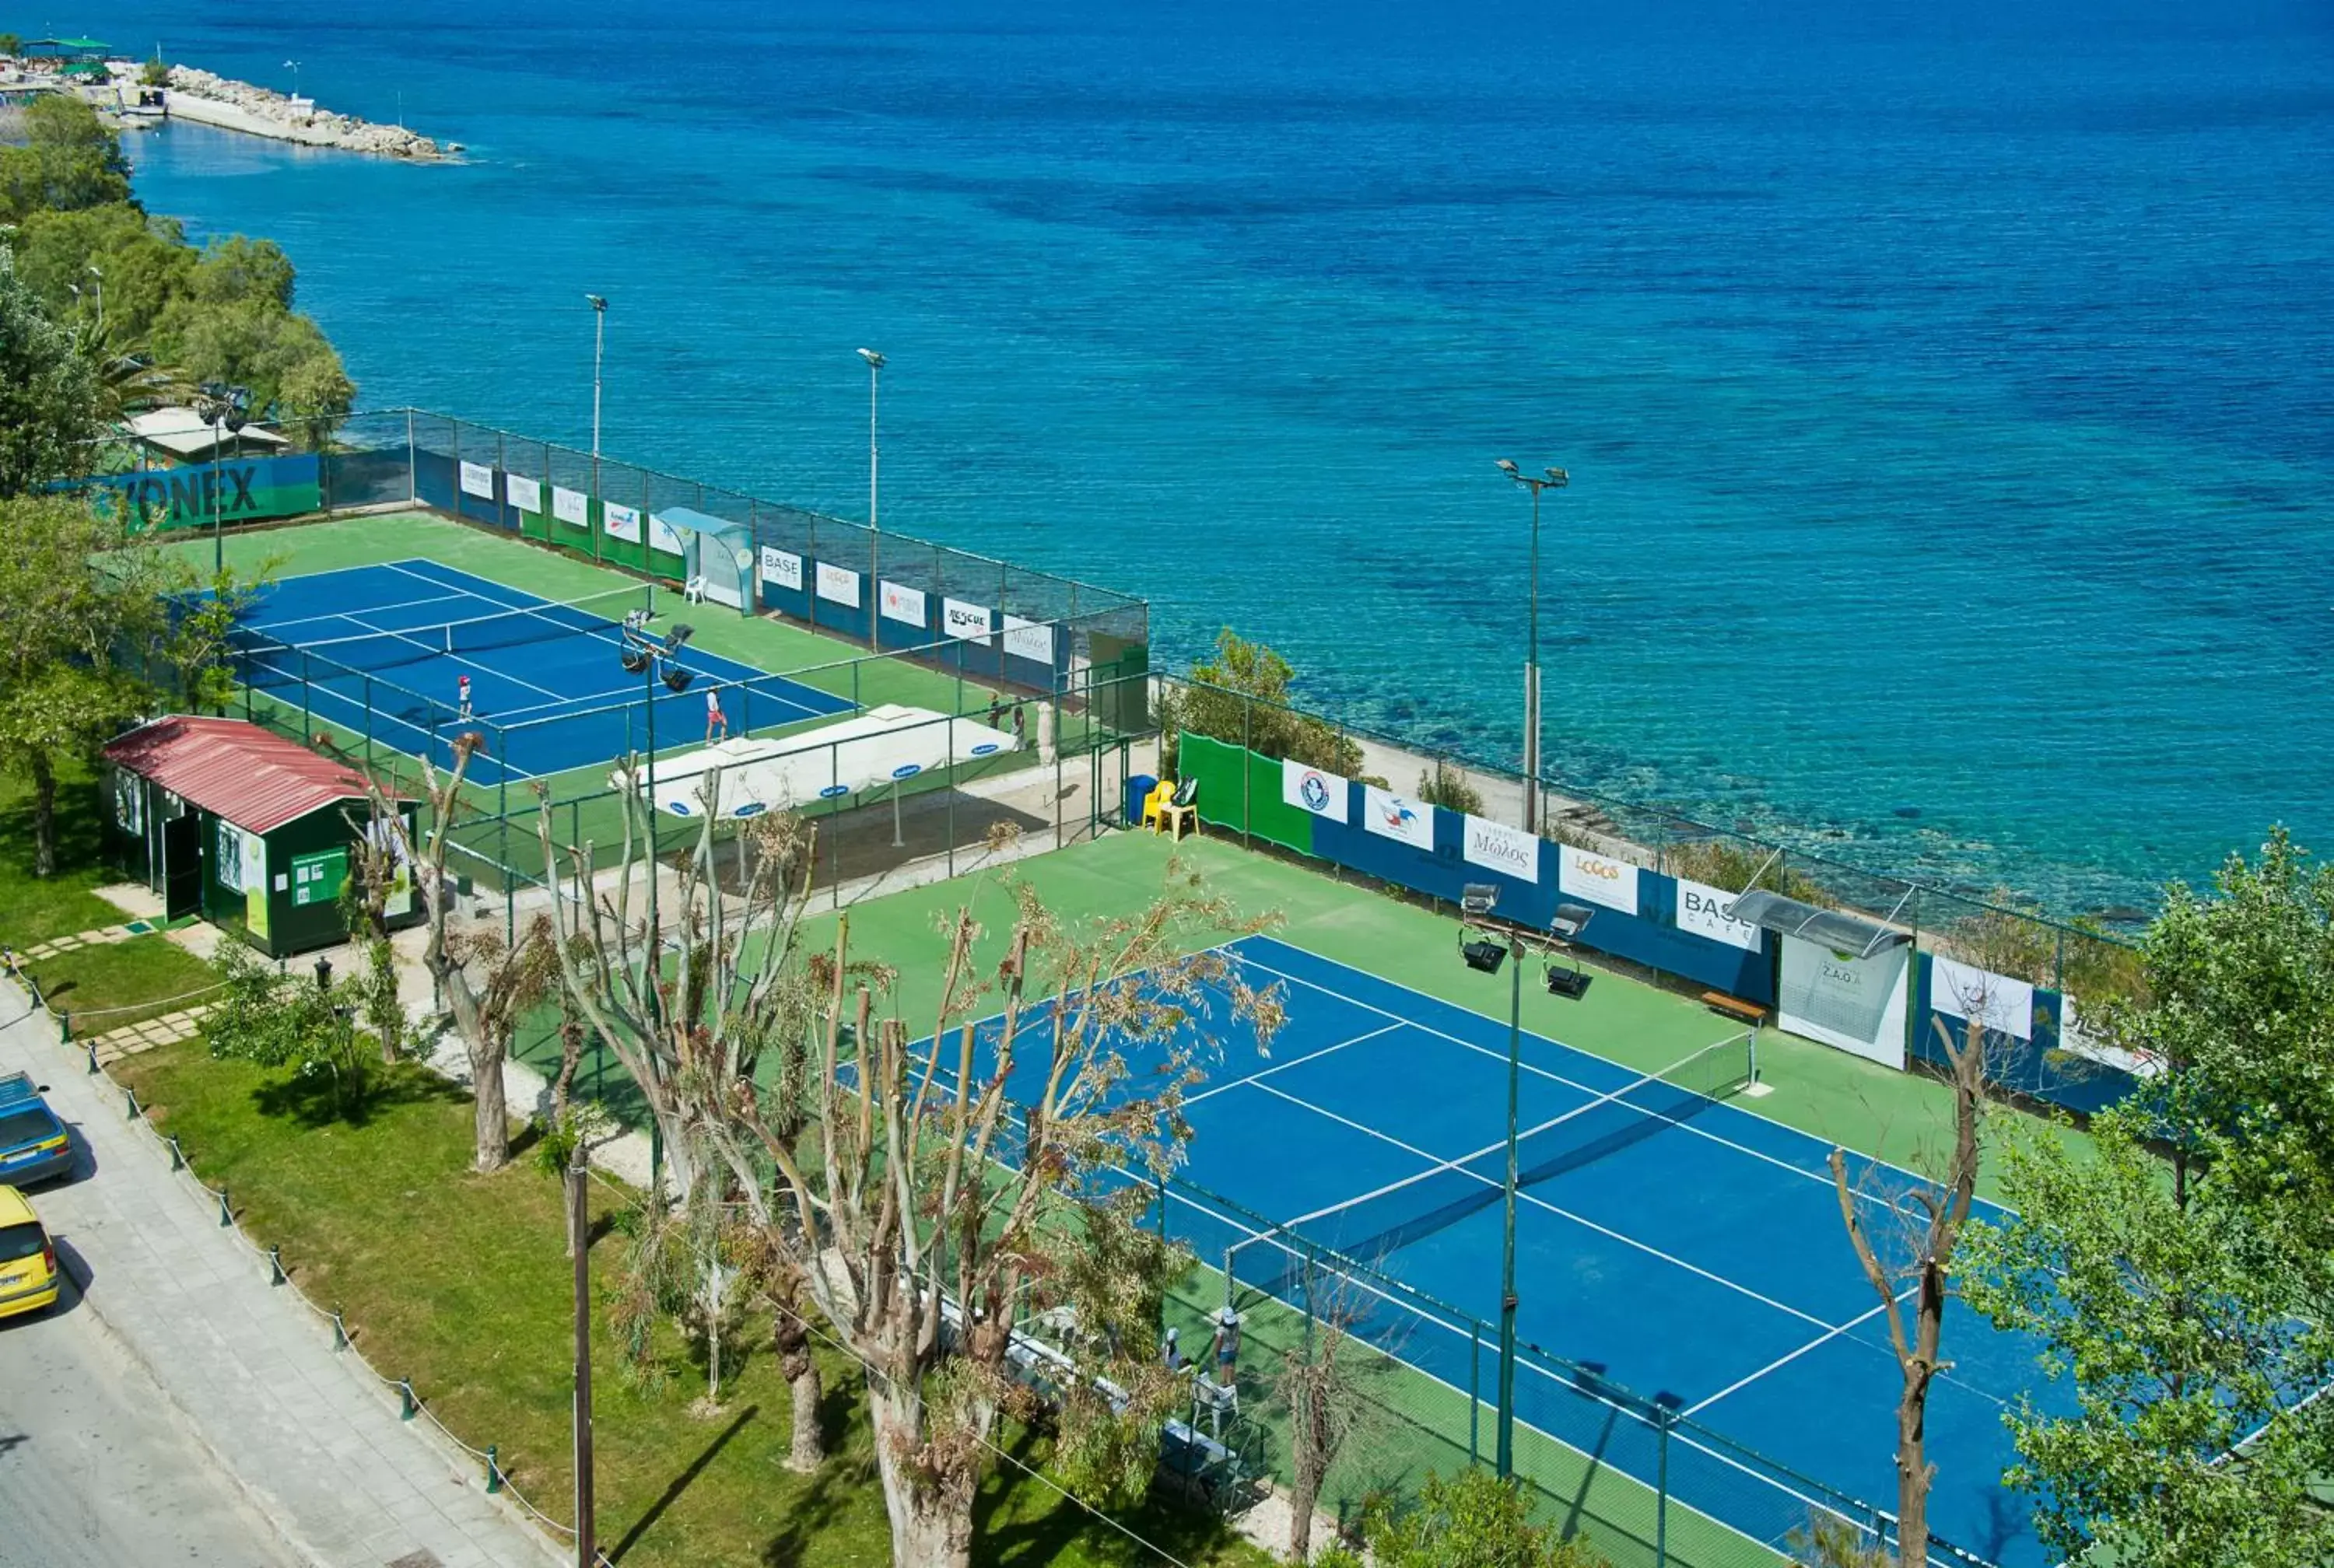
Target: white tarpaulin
{"points": [[1031, 639], [1390, 816], [478, 479], [966, 622], [1855, 1003], [524, 494], [1308, 789], [1600, 879], [1708, 911], [1500, 848], [619, 521], [839, 583], [781, 568], [883, 746], [901, 602], [1995, 1001], [571, 506]]}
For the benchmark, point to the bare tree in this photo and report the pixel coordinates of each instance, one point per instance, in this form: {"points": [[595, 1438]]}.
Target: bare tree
{"points": [[1319, 1380], [1916, 1261], [377, 843], [790, 1334]]}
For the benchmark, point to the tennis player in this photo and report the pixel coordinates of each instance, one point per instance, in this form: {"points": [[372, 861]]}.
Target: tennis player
{"points": [[462, 695], [715, 719]]}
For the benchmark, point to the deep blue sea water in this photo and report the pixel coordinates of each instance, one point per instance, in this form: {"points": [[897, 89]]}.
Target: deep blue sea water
{"points": [[1949, 399]]}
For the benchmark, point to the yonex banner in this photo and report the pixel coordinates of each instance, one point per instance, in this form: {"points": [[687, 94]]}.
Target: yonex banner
{"points": [[1031, 639], [1390, 816], [781, 568], [664, 537], [1308, 789], [621, 522], [478, 479], [1708, 911], [1600, 879], [1855, 1003], [228, 492], [966, 622], [903, 603], [1500, 848], [1994, 1002], [839, 583], [526, 494], [571, 506]]}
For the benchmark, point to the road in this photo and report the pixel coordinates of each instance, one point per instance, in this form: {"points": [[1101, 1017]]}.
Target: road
{"points": [[96, 1470]]}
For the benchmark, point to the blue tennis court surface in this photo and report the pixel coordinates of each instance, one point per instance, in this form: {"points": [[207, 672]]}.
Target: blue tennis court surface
{"points": [[380, 650], [1686, 1249]]}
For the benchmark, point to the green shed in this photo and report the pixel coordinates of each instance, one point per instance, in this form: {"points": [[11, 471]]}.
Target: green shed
{"points": [[236, 823]]}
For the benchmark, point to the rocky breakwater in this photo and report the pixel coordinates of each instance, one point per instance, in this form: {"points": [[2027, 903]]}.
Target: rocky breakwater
{"points": [[230, 105]]}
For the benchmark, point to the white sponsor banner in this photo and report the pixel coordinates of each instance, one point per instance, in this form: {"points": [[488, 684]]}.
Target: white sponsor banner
{"points": [[839, 583], [1708, 911], [966, 622], [1994, 1002], [1390, 816], [523, 493], [1600, 879], [478, 479], [1031, 639], [1308, 789], [571, 506], [1500, 848], [619, 521], [902, 603], [664, 537], [782, 568], [1855, 1003], [226, 855], [2077, 1040]]}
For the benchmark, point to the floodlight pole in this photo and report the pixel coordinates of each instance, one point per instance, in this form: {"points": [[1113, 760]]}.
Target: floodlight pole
{"points": [[874, 524], [1507, 1412], [1557, 479], [599, 304], [579, 1231]]}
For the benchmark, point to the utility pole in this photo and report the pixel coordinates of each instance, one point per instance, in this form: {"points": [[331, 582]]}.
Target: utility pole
{"points": [[1557, 479], [579, 1234], [874, 524]]}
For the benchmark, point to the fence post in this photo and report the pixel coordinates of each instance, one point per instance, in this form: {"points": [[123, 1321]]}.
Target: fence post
{"points": [[340, 1331], [226, 1215], [275, 1275], [132, 1096], [1665, 1409], [493, 1469], [1474, 1390], [88, 1046], [177, 1155], [406, 1403]]}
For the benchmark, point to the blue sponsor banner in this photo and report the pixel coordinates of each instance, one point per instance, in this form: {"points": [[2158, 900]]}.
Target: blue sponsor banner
{"points": [[233, 490]]}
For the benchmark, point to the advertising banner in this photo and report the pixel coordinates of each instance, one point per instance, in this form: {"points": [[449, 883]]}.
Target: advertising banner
{"points": [[1308, 789], [1599, 879], [1390, 816], [781, 568], [621, 522], [1031, 639], [526, 494], [1994, 1002], [571, 506], [478, 479], [966, 622], [1496, 847], [664, 537], [233, 491], [902, 603], [838, 583], [1708, 911], [1855, 1003]]}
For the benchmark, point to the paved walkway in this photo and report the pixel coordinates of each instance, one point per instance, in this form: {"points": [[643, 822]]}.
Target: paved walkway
{"points": [[309, 1434]]}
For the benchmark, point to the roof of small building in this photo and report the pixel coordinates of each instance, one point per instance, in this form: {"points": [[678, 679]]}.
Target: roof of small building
{"points": [[255, 778], [182, 433]]}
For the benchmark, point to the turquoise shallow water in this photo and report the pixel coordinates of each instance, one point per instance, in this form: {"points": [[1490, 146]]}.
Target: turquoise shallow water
{"points": [[1950, 406]]}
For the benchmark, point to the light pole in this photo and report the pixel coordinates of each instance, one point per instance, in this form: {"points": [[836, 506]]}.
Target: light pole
{"points": [[579, 1237], [599, 304], [293, 67], [222, 407], [875, 525], [1557, 479], [1494, 945]]}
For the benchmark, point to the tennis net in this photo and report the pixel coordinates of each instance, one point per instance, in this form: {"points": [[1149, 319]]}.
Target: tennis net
{"points": [[597, 615], [1384, 1221]]}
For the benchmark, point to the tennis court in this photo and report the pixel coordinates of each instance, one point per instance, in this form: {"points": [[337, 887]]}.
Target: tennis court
{"points": [[1686, 1249], [380, 649]]}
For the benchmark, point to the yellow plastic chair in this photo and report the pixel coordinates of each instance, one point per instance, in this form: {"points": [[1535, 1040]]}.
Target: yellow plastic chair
{"points": [[1155, 803]]}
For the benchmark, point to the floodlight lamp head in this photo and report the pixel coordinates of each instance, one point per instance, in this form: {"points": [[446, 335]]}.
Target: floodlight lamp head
{"points": [[1558, 478], [1478, 897], [1508, 467], [1483, 955], [874, 360], [597, 302], [1570, 919]]}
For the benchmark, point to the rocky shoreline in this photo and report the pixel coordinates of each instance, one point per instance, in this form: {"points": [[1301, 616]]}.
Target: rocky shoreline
{"points": [[209, 99]]}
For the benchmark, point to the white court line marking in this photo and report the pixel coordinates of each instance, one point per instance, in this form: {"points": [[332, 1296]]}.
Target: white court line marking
{"points": [[270, 626], [451, 658], [317, 689], [537, 603], [1557, 1077], [1292, 1062], [1538, 1201], [1783, 1360]]}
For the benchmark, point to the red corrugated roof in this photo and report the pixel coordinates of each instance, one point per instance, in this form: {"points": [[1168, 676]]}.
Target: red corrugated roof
{"points": [[255, 778]]}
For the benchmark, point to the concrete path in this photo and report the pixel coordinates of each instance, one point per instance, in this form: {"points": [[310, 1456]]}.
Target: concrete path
{"points": [[308, 1433]]}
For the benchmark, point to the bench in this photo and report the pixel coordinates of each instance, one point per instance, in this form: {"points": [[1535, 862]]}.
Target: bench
{"points": [[1734, 1006]]}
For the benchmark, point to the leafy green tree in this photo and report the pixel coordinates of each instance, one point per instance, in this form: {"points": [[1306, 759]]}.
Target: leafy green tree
{"points": [[2181, 1279], [145, 259], [69, 161], [49, 400], [11, 45], [1472, 1517], [266, 1016], [1241, 694], [154, 72]]}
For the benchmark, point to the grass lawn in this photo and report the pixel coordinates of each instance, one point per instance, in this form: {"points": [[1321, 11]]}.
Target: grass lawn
{"points": [[120, 982], [36, 908], [460, 1281]]}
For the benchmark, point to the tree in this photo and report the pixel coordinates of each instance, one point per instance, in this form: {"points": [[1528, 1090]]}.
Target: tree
{"points": [[1448, 788], [1473, 1517], [1241, 696], [202, 635], [70, 159], [1914, 1254], [2180, 1280], [154, 72], [49, 400], [926, 1195], [1319, 1381], [263, 1016]]}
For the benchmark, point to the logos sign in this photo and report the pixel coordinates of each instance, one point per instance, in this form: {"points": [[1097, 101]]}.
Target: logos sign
{"points": [[839, 583], [1599, 879]]}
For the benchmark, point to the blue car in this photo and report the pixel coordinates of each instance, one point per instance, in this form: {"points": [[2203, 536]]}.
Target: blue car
{"points": [[33, 1146]]}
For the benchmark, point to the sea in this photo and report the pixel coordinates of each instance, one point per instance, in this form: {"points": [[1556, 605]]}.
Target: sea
{"points": [[1947, 392]]}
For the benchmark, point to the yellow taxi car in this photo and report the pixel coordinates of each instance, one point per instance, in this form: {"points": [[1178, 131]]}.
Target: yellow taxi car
{"points": [[28, 1260]]}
